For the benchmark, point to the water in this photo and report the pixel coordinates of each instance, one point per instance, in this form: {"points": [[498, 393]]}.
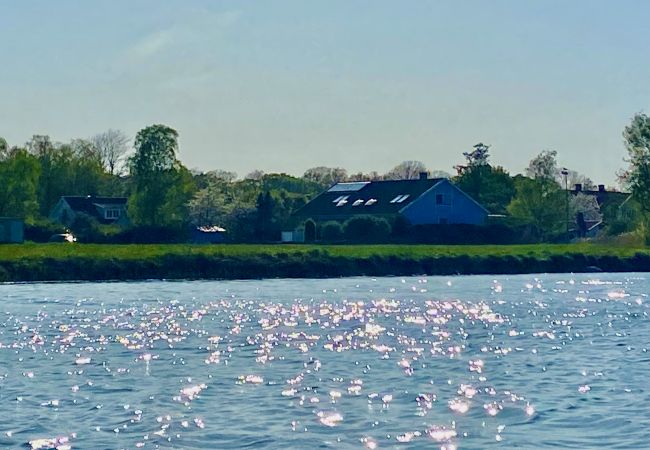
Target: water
{"points": [[546, 361]]}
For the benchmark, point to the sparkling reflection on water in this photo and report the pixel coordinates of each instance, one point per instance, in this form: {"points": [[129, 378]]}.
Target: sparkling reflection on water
{"points": [[546, 361]]}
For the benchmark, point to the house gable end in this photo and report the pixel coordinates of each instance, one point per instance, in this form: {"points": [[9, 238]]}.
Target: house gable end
{"points": [[444, 203]]}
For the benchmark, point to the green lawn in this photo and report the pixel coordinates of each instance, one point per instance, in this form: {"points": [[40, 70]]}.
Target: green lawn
{"points": [[30, 251]]}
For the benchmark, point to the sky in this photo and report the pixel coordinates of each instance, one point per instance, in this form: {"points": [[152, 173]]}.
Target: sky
{"points": [[282, 86]]}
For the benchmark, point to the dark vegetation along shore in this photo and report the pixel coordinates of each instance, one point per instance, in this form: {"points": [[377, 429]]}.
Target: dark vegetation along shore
{"points": [[63, 262]]}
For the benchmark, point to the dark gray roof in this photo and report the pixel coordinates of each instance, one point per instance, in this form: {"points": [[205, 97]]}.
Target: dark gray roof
{"points": [[345, 199], [86, 204]]}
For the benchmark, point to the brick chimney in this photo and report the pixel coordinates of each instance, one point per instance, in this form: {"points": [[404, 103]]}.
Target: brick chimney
{"points": [[424, 175]]}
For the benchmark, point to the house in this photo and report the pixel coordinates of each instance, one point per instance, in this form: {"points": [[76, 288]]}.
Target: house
{"points": [[607, 204], [421, 201], [12, 231], [106, 210]]}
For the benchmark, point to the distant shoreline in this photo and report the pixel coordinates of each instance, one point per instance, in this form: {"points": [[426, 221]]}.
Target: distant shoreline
{"points": [[74, 262]]}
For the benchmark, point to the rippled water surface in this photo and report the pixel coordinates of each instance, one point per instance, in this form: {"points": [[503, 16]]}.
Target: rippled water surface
{"points": [[546, 361]]}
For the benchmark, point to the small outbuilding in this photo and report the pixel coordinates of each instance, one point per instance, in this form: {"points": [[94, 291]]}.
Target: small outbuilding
{"points": [[12, 231]]}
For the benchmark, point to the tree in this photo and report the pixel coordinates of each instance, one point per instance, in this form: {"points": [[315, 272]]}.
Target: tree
{"points": [[19, 172], [4, 148], [407, 170], [539, 203], [477, 157], [637, 143], [325, 176], [255, 175], [264, 223], [162, 185], [490, 186], [543, 166], [111, 146]]}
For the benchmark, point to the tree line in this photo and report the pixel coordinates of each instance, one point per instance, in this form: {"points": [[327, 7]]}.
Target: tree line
{"points": [[164, 194]]}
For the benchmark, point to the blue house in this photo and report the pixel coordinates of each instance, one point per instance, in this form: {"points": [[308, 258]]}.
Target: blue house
{"points": [[422, 201]]}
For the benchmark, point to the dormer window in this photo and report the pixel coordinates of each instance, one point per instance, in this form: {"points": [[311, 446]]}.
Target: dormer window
{"points": [[341, 198], [357, 202], [112, 213], [371, 202]]}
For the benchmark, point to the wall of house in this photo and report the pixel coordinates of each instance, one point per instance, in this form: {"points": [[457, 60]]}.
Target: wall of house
{"points": [[12, 231], [62, 213], [458, 207]]}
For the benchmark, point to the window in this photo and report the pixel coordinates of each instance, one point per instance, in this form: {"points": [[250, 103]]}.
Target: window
{"points": [[112, 214], [371, 202], [443, 199], [400, 198]]}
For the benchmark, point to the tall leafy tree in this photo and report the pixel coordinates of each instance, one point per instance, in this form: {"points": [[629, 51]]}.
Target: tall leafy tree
{"points": [[264, 223], [540, 203], [491, 186], [19, 173], [637, 143], [162, 186]]}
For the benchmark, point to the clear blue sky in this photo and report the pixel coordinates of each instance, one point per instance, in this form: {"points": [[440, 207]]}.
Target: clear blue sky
{"points": [[288, 85]]}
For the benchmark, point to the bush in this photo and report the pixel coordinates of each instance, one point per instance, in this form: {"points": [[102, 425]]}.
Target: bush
{"points": [[331, 231], [40, 231], [460, 233], [366, 229], [151, 235]]}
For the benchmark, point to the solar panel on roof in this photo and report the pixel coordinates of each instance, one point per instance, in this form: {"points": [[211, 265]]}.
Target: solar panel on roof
{"points": [[348, 187]]}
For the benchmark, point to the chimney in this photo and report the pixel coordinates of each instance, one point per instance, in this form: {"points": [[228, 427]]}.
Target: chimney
{"points": [[601, 188], [423, 175], [578, 187]]}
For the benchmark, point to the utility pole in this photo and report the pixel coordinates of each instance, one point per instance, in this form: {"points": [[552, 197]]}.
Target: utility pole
{"points": [[565, 172]]}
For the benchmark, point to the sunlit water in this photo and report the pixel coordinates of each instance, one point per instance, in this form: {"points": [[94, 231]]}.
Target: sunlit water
{"points": [[547, 361]]}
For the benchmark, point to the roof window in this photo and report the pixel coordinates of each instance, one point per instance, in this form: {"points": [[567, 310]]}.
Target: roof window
{"points": [[400, 198]]}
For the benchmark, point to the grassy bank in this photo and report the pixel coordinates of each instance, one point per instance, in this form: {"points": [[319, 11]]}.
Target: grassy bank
{"points": [[32, 262]]}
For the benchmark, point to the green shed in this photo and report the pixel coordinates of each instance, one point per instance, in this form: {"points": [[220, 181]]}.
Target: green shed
{"points": [[12, 231]]}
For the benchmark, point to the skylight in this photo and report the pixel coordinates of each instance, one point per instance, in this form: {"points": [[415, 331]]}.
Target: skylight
{"points": [[348, 187], [400, 198], [372, 201], [357, 202]]}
